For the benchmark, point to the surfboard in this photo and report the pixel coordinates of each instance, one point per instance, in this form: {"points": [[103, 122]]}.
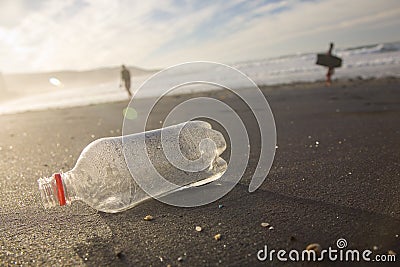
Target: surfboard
{"points": [[329, 61]]}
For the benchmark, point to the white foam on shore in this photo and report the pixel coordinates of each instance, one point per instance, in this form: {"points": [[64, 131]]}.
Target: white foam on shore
{"points": [[367, 62]]}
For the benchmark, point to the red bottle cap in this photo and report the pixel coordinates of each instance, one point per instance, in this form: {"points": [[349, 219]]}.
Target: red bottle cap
{"points": [[60, 189]]}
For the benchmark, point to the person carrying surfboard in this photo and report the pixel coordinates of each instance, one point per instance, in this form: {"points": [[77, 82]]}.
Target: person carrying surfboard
{"points": [[331, 70], [126, 78], [330, 61]]}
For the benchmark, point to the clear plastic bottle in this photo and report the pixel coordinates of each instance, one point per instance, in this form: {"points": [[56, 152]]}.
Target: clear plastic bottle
{"points": [[101, 177]]}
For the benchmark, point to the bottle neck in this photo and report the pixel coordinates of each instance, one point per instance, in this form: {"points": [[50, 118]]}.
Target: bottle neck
{"points": [[57, 190]]}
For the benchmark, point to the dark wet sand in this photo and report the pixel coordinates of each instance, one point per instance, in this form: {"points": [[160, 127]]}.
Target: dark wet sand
{"points": [[346, 187]]}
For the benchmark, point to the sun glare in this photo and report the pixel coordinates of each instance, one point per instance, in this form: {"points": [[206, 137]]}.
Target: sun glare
{"points": [[56, 82]]}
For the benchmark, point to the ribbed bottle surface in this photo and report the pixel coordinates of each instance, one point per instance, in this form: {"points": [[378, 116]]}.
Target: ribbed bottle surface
{"points": [[48, 192]]}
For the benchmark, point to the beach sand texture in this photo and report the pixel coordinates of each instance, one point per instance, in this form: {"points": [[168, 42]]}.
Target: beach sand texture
{"points": [[336, 175]]}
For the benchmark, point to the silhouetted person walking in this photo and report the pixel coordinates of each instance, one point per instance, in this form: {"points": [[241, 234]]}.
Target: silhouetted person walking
{"points": [[126, 78], [331, 70]]}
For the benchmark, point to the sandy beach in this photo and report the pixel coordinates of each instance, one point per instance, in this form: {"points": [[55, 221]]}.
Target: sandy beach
{"points": [[336, 174]]}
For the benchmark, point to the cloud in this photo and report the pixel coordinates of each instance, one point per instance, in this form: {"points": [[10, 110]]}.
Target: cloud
{"points": [[303, 26], [79, 34], [96, 34]]}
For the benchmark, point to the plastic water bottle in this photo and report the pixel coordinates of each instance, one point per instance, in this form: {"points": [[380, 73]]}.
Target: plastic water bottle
{"points": [[103, 180]]}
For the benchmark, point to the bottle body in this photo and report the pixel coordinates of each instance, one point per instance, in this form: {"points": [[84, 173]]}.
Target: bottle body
{"points": [[107, 173]]}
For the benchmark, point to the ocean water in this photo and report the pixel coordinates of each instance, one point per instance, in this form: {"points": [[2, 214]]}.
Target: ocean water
{"points": [[372, 61]]}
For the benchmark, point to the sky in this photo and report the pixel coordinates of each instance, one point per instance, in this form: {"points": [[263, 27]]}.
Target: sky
{"points": [[83, 34]]}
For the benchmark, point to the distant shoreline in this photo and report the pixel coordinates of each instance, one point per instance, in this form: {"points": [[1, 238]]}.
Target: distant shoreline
{"points": [[276, 87]]}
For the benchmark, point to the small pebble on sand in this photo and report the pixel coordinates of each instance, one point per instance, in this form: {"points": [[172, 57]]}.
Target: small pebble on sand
{"points": [[375, 247], [265, 224], [391, 252], [148, 218], [217, 237], [199, 229], [315, 247]]}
